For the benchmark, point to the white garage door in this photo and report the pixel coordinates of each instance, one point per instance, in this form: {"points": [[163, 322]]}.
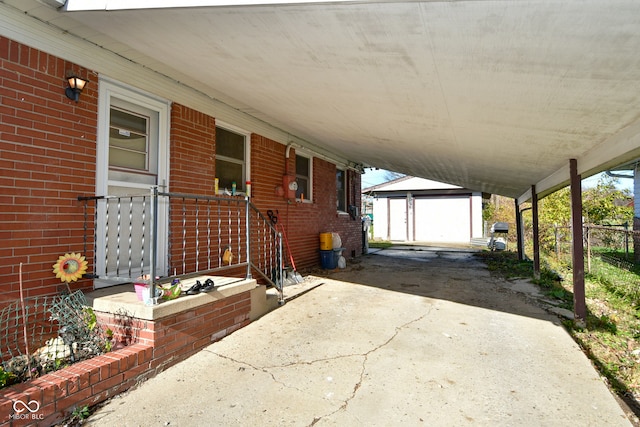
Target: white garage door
{"points": [[443, 219]]}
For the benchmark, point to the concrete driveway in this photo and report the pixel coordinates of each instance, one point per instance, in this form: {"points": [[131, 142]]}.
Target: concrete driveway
{"points": [[400, 337]]}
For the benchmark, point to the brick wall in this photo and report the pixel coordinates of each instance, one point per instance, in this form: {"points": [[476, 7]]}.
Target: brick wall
{"points": [[303, 222], [85, 383], [192, 148], [153, 346], [47, 159], [178, 336]]}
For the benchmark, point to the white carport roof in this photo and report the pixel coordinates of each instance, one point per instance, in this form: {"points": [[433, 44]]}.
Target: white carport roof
{"points": [[493, 96]]}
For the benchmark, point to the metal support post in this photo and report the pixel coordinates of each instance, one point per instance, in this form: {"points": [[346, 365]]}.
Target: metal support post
{"points": [[153, 249], [247, 227], [536, 233], [579, 302], [519, 231], [280, 271]]}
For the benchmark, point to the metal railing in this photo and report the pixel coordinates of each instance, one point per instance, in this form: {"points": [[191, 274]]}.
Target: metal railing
{"points": [[173, 234]]}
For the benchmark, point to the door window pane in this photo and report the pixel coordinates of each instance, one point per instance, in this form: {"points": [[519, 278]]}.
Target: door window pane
{"points": [[128, 140]]}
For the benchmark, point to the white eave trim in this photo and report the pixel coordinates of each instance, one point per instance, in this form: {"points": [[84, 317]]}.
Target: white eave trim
{"points": [[621, 148], [86, 5]]}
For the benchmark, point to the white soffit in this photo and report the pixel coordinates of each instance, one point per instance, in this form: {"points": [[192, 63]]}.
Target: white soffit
{"points": [[493, 96]]}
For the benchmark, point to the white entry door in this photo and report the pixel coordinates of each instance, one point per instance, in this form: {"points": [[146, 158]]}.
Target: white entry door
{"points": [[132, 158], [398, 219]]}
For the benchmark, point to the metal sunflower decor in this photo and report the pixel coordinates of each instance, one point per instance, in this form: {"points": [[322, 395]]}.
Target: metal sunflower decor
{"points": [[70, 267]]}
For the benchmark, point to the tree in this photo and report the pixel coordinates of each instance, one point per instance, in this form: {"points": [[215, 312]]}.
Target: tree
{"points": [[554, 214], [604, 204]]}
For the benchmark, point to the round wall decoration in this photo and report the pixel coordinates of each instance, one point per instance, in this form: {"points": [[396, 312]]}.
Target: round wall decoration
{"points": [[70, 267]]}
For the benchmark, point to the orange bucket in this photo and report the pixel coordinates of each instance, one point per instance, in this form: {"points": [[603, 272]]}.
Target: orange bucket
{"points": [[326, 242]]}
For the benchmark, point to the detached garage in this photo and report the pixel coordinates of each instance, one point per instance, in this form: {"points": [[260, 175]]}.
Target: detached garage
{"points": [[416, 209]]}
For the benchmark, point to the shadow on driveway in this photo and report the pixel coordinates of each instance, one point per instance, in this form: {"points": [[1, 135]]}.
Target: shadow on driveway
{"points": [[451, 274]]}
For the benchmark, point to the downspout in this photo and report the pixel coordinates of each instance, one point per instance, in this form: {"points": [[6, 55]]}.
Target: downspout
{"points": [[618, 175], [287, 153]]}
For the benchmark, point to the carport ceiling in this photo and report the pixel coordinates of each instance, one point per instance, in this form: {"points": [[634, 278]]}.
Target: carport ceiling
{"points": [[491, 95]]}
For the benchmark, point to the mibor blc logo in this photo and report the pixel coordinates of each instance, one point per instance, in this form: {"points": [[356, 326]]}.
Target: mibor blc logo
{"points": [[24, 411]]}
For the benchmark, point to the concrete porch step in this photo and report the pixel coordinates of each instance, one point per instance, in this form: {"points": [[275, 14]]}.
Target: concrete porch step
{"points": [[265, 300]]}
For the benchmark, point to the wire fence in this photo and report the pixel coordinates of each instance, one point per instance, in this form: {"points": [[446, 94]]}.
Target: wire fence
{"points": [[609, 255], [46, 333]]}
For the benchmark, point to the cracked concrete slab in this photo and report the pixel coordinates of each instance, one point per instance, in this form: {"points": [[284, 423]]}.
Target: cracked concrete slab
{"points": [[395, 339]]}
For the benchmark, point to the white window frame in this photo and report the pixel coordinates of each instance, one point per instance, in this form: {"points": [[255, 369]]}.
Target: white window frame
{"points": [[308, 198], [246, 167]]}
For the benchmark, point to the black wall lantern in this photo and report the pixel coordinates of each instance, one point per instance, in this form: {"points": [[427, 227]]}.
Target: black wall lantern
{"points": [[76, 84]]}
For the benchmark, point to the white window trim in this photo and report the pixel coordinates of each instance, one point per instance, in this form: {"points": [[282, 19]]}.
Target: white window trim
{"points": [[247, 146], [308, 155]]}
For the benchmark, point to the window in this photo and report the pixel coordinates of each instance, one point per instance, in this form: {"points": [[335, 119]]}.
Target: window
{"points": [[128, 140], [303, 177], [341, 190], [231, 159]]}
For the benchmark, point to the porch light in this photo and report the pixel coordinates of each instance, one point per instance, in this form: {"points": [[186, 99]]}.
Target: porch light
{"points": [[76, 84]]}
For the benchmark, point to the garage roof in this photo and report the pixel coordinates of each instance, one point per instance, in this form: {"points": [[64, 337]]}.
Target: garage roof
{"points": [[493, 96]]}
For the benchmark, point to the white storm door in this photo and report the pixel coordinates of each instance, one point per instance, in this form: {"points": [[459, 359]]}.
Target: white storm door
{"points": [[132, 159], [398, 219]]}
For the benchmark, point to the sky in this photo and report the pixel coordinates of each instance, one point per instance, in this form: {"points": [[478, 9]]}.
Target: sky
{"points": [[373, 177], [623, 183]]}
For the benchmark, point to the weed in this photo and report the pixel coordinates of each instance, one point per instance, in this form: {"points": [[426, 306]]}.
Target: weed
{"points": [[380, 244], [6, 378], [80, 413]]}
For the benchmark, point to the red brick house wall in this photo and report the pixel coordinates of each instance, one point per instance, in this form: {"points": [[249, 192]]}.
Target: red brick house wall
{"points": [[48, 158], [303, 222], [192, 150]]}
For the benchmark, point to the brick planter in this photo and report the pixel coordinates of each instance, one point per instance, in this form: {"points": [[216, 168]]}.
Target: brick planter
{"points": [[157, 337]]}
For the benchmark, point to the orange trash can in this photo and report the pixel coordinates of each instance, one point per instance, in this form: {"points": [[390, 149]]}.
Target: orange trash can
{"points": [[326, 242]]}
